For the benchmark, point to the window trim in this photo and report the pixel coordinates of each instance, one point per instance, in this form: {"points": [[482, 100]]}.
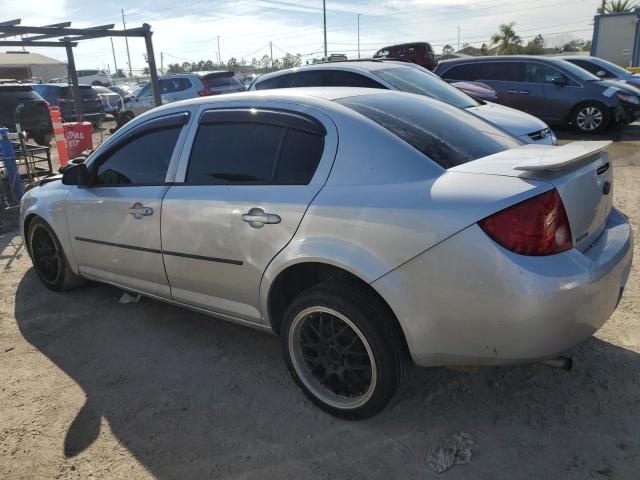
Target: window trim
{"points": [[159, 123], [285, 119]]}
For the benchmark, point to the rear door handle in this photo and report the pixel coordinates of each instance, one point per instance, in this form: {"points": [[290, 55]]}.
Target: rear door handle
{"points": [[524, 92], [138, 210], [512, 91], [257, 218]]}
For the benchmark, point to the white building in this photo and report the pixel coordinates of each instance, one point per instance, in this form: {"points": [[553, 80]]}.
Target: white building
{"points": [[25, 65]]}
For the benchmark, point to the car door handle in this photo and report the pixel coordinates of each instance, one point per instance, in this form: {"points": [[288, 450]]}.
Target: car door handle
{"points": [[524, 92], [512, 91], [257, 218], [138, 210]]}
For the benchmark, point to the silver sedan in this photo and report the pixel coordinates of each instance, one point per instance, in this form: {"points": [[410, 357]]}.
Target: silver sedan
{"points": [[368, 228]]}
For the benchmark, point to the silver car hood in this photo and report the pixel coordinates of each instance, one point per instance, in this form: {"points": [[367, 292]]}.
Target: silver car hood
{"points": [[514, 121]]}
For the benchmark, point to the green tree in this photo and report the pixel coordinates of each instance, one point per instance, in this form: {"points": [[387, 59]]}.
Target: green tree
{"points": [[232, 64], [484, 50], [145, 71], [617, 6], [175, 68], [573, 46], [506, 39], [447, 50], [534, 46]]}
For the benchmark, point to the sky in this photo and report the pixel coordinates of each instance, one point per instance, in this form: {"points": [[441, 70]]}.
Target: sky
{"points": [[189, 30]]}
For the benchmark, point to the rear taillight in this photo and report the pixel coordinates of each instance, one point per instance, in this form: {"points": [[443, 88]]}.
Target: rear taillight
{"points": [[205, 92], [536, 226]]}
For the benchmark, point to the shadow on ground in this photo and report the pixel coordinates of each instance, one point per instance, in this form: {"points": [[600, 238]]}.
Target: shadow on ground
{"points": [[194, 397]]}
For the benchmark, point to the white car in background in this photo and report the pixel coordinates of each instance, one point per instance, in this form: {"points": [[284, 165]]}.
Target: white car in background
{"points": [[88, 77]]}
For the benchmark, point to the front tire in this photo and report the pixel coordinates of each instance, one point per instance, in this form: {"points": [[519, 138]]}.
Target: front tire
{"points": [[590, 117], [49, 260], [344, 349]]}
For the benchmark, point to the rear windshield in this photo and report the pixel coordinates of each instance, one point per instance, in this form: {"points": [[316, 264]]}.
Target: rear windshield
{"points": [[413, 80], [443, 133], [229, 80]]}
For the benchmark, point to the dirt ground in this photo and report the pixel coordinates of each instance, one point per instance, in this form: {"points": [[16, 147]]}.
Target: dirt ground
{"points": [[91, 388]]}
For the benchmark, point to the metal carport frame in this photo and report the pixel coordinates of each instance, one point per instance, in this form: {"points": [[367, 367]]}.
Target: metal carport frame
{"points": [[68, 38]]}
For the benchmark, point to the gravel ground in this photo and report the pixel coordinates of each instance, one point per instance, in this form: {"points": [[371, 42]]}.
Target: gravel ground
{"points": [[94, 388]]}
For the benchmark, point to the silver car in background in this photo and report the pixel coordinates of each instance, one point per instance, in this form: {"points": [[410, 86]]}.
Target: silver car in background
{"points": [[411, 78], [367, 228]]}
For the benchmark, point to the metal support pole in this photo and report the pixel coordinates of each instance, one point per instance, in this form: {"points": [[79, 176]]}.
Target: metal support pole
{"points": [[161, 63], [271, 51], [155, 85], [219, 57], [358, 35], [126, 40], [324, 22], [113, 50], [73, 76]]}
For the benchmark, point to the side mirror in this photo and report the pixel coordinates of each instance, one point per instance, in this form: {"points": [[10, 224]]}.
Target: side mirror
{"points": [[601, 74], [559, 80], [76, 174]]}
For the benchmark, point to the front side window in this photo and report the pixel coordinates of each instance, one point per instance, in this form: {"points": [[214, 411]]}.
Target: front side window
{"points": [[311, 78], [342, 78], [274, 82], [253, 154], [412, 80], [145, 91], [142, 160], [444, 134]]}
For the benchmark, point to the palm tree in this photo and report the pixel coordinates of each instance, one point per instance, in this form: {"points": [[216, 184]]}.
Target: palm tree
{"points": [[506, 39], [617, 6]]}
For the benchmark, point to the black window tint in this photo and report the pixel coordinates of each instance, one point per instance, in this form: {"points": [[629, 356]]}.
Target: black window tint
{"points": [[299, 157], [142, 160], [341, 78], [275, 82], [499, 71], [445, 134], [311, 78], [231, 153], [460, 72]]}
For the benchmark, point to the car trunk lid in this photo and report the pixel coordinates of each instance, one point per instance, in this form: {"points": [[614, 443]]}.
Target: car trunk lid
{"points": [[580, 171]]}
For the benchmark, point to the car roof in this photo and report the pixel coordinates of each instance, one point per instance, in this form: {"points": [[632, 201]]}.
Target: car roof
{"points": [[493, 58], [348, 65]]}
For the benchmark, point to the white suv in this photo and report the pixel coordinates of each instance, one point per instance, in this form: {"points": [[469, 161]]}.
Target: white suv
{"points": [[182, 86], [88, 77]]}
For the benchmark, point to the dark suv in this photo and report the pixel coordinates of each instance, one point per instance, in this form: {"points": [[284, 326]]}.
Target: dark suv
{"points": [[419, 53], [33, 113], [60, 95], [554, 90]]}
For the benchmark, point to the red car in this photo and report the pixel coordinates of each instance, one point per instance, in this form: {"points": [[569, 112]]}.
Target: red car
{"points": [[419, 53]]}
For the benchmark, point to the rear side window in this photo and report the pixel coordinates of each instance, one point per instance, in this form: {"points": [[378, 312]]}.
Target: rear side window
{"points": [[310, 78], [342, 78], [499, 71], [445, 134], [237, 153], [539, 73], [460, 72], [143, 160], [275, 82], [173, 85]]}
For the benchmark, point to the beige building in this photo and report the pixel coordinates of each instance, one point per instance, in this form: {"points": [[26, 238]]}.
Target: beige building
{"points": [[25, 65]]}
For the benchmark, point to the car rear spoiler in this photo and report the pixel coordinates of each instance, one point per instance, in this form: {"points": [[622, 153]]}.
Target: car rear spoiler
{"points": [[558, 158]]}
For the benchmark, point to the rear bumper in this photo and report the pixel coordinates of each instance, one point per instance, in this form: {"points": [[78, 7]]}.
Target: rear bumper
{"points": [[468, 301]]}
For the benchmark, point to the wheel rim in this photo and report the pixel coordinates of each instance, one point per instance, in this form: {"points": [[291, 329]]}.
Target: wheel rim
{"points": [[589, 118], [332, 357], [46, 256]]}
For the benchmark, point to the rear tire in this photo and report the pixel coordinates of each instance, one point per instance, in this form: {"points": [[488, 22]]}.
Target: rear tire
{"points": [[49, 260], [125, 117], [344, 349], [43, 139], [590, 117]]}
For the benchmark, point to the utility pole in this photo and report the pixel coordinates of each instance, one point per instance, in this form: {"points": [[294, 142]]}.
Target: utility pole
{"points": [[458, 38], [124, 26], [161, 63], [219, 57], [324, 21], [271, 51], [113, 50], [358, 35]]}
